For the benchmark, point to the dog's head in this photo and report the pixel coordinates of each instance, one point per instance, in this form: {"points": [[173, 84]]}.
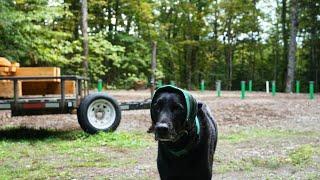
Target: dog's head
{"points": [[173, 112]]}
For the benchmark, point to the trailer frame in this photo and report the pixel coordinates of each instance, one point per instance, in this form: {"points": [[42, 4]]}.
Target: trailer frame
{"points": [[62, 103]]}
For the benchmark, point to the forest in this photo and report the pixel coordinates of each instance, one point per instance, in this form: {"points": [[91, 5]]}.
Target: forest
{"points": [[227, 40]]}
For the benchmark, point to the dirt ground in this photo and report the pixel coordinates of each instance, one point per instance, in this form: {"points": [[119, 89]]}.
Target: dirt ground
{"points": [[289, 120]]}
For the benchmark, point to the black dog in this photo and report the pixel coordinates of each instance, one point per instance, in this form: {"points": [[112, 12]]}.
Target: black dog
{"points": [[187, 135]]}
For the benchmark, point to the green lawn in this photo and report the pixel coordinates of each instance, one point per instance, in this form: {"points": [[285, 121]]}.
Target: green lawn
{"points": [[28, 153], [40, 154]]}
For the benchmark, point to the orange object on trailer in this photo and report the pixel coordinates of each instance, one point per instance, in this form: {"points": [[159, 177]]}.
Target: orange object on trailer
{"points": [[4, 62]]}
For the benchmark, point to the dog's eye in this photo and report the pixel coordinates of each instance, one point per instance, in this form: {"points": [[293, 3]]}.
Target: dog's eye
{"points": [[177, 107], [156, 106]]}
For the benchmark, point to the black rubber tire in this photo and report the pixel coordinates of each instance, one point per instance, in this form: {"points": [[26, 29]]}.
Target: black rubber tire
{"points": [[83, 108]]}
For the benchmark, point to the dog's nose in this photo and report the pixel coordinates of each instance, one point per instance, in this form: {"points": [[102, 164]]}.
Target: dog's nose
{"points": [[162, 128]]}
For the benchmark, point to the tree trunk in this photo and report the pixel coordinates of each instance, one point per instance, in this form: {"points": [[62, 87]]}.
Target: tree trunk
{"points": [[110, 28], [189, 68], [276, 52], [116, 15], [75, 10], [84, 28], [229, 54], [215, 23], [293, 45], [153, 67], [230, 66], [313, 36], [285, 41], [314, 60]]}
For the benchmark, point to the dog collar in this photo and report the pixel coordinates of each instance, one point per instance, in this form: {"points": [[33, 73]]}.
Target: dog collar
{"points": [[190, 145]]}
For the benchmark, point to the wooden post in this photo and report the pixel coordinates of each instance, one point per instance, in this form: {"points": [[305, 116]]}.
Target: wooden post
{"points": [[63, 93], [153, 66], [15, 91]]}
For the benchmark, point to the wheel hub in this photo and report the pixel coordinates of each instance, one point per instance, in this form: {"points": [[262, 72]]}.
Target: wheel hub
{"points": [[101, 114]]}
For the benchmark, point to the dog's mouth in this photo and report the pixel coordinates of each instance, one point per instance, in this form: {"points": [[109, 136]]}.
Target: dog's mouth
{"points": [[172, 137], [167, 137]]}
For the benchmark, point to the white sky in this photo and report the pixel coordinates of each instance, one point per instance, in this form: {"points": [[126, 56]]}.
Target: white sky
{"points": [[268, 7]]}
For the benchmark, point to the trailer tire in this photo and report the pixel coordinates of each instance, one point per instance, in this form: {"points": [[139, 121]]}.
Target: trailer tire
{"points": [[99, 112]]}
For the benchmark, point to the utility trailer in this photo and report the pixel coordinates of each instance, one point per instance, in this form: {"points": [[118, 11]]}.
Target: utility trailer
{"points": [[95, 111]]}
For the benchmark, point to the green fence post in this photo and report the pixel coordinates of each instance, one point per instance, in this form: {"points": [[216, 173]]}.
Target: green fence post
{"points": [[99, 85], [250, 85], [202, 87], [172, 83], [218, 88], [159, 83], [297, 87], [243, 89], [273, 88], [311, 90]]}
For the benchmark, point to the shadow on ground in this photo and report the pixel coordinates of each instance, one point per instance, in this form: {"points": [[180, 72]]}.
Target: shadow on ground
{"points": [[31, 134]]}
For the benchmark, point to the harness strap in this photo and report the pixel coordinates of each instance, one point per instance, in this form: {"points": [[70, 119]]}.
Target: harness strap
{"points": [[186, 96]]}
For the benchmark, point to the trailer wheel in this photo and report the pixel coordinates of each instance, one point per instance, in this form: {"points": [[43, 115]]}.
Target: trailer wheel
{"points": [[99, 112]]}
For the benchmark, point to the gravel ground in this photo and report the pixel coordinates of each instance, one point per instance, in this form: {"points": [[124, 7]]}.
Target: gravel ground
{"points": [[257, 111]]}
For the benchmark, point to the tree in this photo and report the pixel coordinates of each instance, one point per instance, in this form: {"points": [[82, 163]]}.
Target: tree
{"points": [[285, 42], [196, 39], [293, 45], [84, 28]]}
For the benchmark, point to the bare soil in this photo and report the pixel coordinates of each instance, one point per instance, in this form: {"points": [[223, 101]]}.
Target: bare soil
{"points": [[284, 112]]}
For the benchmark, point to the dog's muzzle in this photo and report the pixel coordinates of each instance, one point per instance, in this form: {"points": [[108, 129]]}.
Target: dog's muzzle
{"points": [[164, 133]]}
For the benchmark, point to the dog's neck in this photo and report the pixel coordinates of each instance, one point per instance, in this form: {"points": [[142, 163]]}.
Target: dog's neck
{"points": [[187, 142]]}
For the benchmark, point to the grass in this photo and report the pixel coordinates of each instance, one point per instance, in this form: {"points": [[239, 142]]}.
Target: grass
{"points": [[251, 134], [313, 176], [34, 136], [40, 154], [250, 163], [37, 154], [301, 155], [298, 158]]}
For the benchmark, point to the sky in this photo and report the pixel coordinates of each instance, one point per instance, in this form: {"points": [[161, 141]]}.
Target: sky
{"points": [[268, 7]]}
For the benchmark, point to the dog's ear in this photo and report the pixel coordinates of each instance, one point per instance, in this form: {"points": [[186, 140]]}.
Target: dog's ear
{"points": [[200, 111], [152, 113], [151, 128]]}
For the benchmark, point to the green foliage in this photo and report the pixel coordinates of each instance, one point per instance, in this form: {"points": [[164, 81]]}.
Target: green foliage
{"points": [[28, 28], [210, 40], [103, 56]]}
